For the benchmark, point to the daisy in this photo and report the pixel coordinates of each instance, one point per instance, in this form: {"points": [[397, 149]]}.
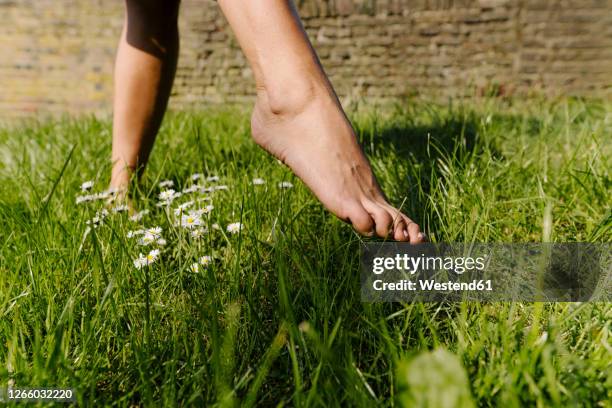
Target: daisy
{"points": [[190, 220], [195, 268], [120, 208], [200, 211], [95, 221], [156, 231], [205, 260], [84, 198], [196, 176], [167, 195], [181, 208], [258, 181], [221, 187], [192, 188], [216, 226], [143, 260], [152, 256], [198, 232], [134, 233], [140, 261], [150, 235], [138, 216], [212, 178], [234, 227], [166, 183], [147, 239], [87, 185], [285, 184], [109, 193]]}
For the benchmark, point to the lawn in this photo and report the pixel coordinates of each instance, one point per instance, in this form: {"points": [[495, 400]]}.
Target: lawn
{"points": [[274, 316]]}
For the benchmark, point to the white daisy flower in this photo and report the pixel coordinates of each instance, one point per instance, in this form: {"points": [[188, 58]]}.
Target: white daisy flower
{"points": [[138, 216], [87, 185], [150, 258], [120, 208], [111, 193], [183, 207], [221, 187], [190, 220], [258, 181], [198, 232], [205, 260], [134, 233], [216, 226], [192, 188], [212, 178], [140, 261], [153, 255], [196, 176], [95, 221], [201, 211], [167, 195], [84, 198], [166, 183], [147, 239], [285, 184], [155, 231], [195, 268], [204, 190], [161, 242], [234, 227]]}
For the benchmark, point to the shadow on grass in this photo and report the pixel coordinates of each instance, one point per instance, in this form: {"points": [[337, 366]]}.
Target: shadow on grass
{"points": [[420, 141]]}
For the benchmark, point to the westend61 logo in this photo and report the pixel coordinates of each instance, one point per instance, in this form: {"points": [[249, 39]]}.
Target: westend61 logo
{"points": [[489, 272]]}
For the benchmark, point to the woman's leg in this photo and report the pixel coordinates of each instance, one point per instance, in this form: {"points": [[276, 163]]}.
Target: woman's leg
{"points": [[144, 71], [298, 118]]}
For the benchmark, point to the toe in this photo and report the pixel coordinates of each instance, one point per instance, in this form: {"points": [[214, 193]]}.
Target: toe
{"points": [[400, 231], [414, 231], [400, 225], [360, 219], [383, 221]]}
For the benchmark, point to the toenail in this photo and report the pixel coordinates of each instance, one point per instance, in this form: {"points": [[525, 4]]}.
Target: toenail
{"points": [[405, 233]]}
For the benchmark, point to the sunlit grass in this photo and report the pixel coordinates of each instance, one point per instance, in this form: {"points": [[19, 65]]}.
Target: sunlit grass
{"points": [[275, 315]]}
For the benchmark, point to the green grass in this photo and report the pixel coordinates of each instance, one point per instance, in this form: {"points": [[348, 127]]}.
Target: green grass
{"points": [[277, 317]]}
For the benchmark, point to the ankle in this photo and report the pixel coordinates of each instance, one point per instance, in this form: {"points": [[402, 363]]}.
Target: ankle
{"points": [[120, 177], [290, 97]]}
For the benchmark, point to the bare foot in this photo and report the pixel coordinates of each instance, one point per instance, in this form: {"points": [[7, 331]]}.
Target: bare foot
{"points": [[315, 139], [118, 190]]}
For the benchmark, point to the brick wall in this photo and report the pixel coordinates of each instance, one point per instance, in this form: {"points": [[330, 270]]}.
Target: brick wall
{"points": [[57, 55]]}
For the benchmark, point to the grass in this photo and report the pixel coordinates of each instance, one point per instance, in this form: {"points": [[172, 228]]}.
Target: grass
{"points": [[277, 318]]}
